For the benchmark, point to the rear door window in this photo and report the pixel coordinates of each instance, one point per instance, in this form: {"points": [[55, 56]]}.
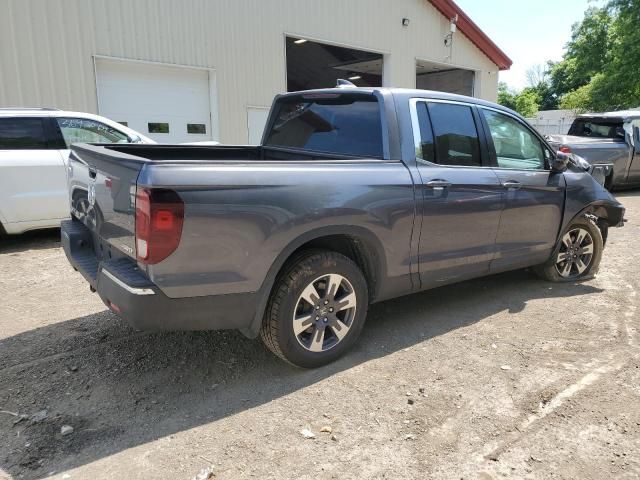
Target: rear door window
{"points": [[340, 124], [455, 135], [22, 134]]}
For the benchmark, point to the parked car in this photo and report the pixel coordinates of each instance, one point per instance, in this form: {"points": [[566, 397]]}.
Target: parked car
{"points": [[608, 141], [356, 195], [34, 151]]}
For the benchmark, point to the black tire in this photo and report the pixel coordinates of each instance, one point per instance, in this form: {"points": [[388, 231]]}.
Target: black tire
{"points": [[286, 300], [551, 270]]}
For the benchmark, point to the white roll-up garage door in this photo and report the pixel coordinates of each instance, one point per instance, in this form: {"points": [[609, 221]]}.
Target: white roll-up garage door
{"points": [[168, 104]]}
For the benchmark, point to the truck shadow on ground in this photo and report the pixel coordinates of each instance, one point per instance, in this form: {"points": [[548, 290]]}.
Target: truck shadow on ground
{"points": [[119, 388], [36, 240]]}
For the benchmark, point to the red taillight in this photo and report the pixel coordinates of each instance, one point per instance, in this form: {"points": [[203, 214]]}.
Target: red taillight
{"points": [[159, 218], [565, 149]]}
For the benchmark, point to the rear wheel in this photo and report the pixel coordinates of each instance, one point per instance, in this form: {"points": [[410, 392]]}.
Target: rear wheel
{"points": [[317, 309], [577, 255]]}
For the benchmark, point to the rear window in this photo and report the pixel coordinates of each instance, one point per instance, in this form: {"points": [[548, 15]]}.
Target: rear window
{"points": [[338, 124], [22, 134], [597, 128]]}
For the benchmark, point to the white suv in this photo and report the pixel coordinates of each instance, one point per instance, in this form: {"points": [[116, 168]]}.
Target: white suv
{"points": [[34, 153]]}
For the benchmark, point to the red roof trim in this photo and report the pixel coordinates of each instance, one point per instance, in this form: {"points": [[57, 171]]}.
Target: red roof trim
{"points": [[467, 26]]}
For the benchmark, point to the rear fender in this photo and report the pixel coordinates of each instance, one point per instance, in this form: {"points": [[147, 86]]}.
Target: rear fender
{"points": [[379, 264]]}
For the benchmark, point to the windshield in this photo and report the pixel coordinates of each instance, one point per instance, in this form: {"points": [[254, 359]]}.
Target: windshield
{"points": [[333, 123], [598, 128]]}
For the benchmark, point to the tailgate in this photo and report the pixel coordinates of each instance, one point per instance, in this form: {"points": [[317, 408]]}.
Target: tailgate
{"points": [[102, 188]]}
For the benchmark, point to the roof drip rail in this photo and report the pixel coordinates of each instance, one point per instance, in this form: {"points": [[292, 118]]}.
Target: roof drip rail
{"points": [[29, 109]]}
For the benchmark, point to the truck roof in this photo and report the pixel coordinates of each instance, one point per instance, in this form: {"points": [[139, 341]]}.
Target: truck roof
{"points": [[403, 93], [620, 115]]}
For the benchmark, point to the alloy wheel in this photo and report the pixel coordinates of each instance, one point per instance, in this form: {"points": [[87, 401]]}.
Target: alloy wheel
{"points": [[324, 312], [576, 253]]}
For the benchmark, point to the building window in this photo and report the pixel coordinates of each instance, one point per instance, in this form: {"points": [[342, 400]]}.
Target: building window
{"points": [[197, 128], [158, 127]]}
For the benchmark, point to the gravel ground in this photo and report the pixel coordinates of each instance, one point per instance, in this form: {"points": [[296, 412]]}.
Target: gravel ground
{"points": [[506, 376]]}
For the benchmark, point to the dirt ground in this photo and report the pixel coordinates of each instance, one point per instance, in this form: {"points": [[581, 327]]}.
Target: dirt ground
{"points": [[506, 376]]}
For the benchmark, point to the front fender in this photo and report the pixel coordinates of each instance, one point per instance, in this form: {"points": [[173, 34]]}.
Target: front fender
{"points": [[586, 196]]}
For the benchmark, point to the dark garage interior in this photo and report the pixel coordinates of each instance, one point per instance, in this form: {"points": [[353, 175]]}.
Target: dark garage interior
{"points": [[443, 78], [318, 65]]}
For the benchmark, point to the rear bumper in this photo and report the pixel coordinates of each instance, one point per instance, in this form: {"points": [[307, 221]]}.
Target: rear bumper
{"points": [[126, 290]]}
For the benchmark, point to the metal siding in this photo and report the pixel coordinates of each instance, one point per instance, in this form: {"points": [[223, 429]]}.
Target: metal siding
{"points": [[48, 46]]}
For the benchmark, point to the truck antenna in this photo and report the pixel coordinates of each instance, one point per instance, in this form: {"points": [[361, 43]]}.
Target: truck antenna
{"points": [[344, 84]]}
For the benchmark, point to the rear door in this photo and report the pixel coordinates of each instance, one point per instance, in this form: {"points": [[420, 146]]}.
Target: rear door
{"points": [[461, 195], [33, 185], [534, 196]]}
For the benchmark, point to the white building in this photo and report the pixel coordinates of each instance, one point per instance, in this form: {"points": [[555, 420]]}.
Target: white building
{"points": [[191, 70]]}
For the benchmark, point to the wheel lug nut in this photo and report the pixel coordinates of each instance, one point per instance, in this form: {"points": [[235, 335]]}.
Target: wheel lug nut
{"points": [[326, 302], [317, 307], [317, 318], [325, 320], [331, 310]]}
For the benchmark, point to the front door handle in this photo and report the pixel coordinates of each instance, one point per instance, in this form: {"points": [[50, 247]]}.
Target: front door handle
{"points": [[438, 184], [512, 185]]}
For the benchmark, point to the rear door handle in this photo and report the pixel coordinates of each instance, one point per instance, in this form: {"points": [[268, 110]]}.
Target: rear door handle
{"points": [[512, 185], [439, 184]]}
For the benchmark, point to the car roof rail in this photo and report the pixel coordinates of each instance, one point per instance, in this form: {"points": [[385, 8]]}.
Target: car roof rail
{"points": [[30, 109]]}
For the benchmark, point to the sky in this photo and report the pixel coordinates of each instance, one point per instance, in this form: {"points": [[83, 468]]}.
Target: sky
{"points": [[530, 32]]}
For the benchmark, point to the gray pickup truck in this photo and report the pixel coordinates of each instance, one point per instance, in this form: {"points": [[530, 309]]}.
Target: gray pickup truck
{"points": [[354, 196], [610, 142]]}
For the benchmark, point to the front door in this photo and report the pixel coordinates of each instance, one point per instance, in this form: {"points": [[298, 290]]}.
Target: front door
{"points": [[461, 196], [534, 201], [634, 169]]}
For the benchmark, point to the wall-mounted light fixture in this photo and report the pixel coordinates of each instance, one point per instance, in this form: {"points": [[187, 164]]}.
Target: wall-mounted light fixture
{"points": [[300, 41], [448, 39], [405, 22], [355, 77]]}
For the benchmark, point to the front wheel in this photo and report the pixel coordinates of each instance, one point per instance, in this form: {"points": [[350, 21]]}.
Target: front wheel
{"points": [[577, 255], [317, 309]]}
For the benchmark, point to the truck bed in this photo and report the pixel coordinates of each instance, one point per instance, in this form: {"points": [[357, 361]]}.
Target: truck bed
{"points": [[224, 153]]}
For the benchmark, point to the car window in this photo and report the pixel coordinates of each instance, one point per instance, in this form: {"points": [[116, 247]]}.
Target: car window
{"points": [[455, 134], [515, 146], [341, 124], [597, 128], [22, 134], [83, 130]]}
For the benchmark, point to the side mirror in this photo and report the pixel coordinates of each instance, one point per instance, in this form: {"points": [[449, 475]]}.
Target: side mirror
{"points": [[134, 139], [636, 139], [560, 162]]}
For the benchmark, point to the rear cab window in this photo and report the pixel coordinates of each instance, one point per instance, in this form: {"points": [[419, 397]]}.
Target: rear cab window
{"points": [[22, 133], [598, 128], [341, 124]]}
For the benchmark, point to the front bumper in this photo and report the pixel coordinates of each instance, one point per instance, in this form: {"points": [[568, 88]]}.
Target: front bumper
{"points": [[128, 292]]}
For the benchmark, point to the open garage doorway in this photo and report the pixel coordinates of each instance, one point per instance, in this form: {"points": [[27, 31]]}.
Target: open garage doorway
{"points": [[319, 65], [444, 78]]}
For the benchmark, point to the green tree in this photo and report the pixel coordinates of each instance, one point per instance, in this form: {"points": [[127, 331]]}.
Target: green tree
{"points": [[527, 103], [601, 67], [506, 97]]}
